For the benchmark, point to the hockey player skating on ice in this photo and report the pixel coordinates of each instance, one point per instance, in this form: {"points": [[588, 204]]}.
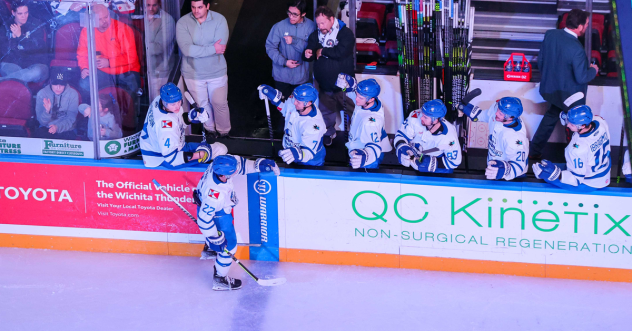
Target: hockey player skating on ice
{"points": [[508, 145], [162, 139], [216, 198], [426, 129], [367, 138], [304, 124], [587, 155]]}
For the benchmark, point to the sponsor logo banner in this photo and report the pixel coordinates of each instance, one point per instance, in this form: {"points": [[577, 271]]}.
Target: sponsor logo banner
{"points": [[263, 216], [103, 198], [521, 225], [69, 148]]}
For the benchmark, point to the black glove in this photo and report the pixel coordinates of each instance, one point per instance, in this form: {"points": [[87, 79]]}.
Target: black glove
{"points": [[196, 198], [470, 96]]}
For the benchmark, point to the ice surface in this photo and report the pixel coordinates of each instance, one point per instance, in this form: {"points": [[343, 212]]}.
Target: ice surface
{"points": [[64, 290]]}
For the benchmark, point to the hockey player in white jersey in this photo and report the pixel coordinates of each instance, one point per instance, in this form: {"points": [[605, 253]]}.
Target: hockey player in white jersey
{"points": [[304, 124], [508, 145], [368, 140], [215, 197], [588, 161], [162, 139], [425, 129]]}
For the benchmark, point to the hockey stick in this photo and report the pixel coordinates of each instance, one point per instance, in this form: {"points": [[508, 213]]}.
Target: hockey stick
{"points": [[262, 282], [194, 105], [269, 123]]}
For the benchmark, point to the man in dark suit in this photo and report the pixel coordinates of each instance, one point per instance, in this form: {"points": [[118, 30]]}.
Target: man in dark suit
{"points": [[565, 71]]}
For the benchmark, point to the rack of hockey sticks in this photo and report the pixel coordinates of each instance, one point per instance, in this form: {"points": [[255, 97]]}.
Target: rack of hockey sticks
{"points": [[434, 42]]}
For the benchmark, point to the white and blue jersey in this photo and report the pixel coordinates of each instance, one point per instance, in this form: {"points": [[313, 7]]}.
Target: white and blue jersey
{"points": [[304, 132], [162, 139], [215, 211], [417, 136], [588, 157], [507, 143], [367, 132]]}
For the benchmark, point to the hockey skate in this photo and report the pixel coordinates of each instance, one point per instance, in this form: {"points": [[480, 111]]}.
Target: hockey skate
{"points": [[208, 254], [225, 283]]}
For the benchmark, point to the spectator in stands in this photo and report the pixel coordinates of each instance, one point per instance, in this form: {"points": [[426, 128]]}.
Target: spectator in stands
{"points": [[110, 127], [117, 61], [23, 46], [67, 11], [160, 40], [565, 71], [202, 36], [285, 45], [56, 107], [331, 47]]}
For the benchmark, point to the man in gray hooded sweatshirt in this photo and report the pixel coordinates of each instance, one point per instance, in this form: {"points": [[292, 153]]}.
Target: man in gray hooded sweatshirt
{"points": [[285, 45], [56, 107]]}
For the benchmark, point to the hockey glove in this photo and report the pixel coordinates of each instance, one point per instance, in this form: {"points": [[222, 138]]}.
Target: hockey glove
{"points": [[266, 91], [196, 197], [546, 170], [206, 153], [405, 155], [265, 165], [426, 164], [563, 116], [292, 154], [357, 158], [346, 82], [218, 243], [198, 115], [497, 170], [467, 108]]}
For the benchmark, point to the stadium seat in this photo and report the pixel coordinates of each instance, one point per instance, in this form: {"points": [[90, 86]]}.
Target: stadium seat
{"points": [[368, 25], [367, 53], [126, 106], [15, 108], [66, 42], [391, 29], [598, 21], [391, 51], [370, 20], [612, 64]]}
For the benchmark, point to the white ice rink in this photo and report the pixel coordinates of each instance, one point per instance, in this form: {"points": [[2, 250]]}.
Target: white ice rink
{"points": [[61, 290]]}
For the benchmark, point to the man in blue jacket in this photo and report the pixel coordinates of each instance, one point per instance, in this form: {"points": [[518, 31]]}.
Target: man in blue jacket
{"points": [[565, 71], [285, 44]]}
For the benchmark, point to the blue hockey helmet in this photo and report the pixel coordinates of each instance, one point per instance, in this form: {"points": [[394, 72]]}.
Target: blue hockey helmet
{"points": [[434, 109], [305, 93], [579, 115], [170, 93], [224, 165], [369, 88], [510, 106]]}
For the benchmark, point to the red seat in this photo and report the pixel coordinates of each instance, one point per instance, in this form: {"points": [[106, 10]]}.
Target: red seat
{"points": [[612, 64], [66, 43], [126, 106], [598, 21], [367, 53], [15, 108], [377, 8]]}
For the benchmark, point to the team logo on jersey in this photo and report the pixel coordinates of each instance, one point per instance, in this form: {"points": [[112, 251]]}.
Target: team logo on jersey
{"points": [[316, 127], [415, 115], [519, 142], [213, 194], [575, 145], [167, 124], [371, 119], [451, 143]]}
